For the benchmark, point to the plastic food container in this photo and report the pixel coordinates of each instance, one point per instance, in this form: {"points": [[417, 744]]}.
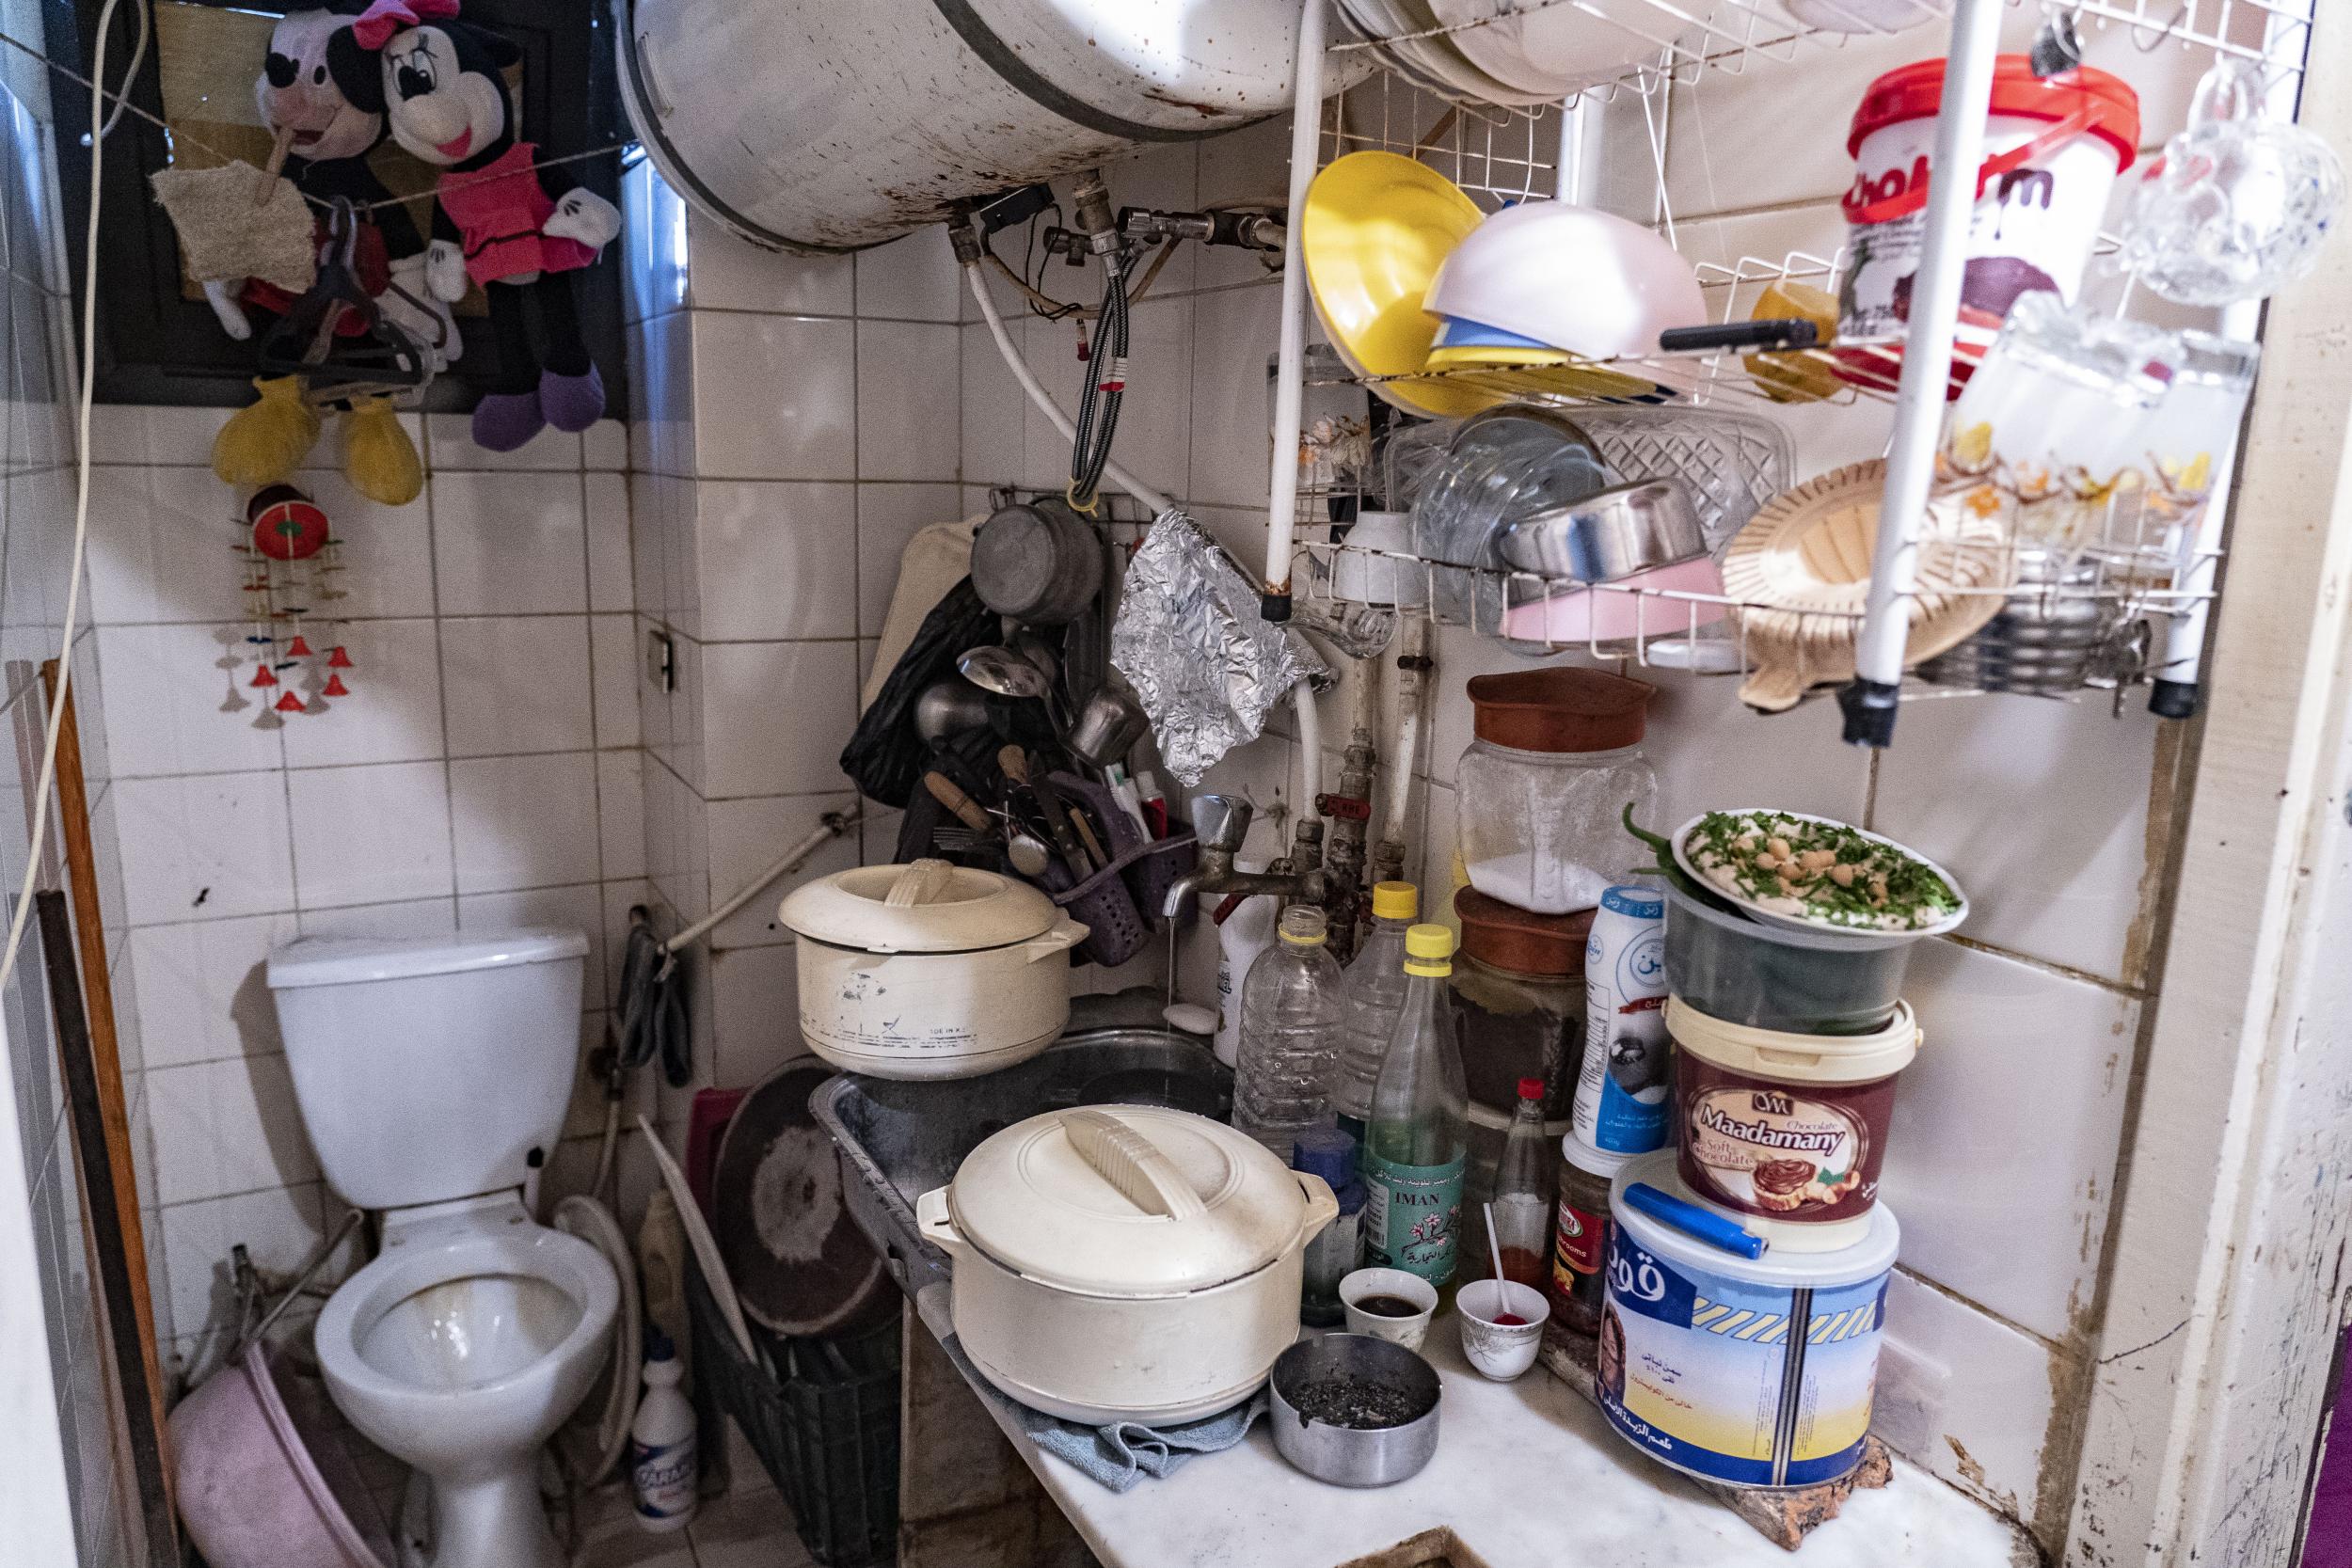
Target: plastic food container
{"points": [[1742, 971], [2053, 150], [1749, 1373], [1557, 755], [1786, 1131]]}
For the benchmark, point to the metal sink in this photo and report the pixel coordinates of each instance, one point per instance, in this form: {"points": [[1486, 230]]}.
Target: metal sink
{"points": [[898, 1140]]}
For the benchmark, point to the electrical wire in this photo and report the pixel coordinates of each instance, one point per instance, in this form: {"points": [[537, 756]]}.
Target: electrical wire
{"points": [[130, 75], [42, 789], [1152, 499], [1105, 388]]}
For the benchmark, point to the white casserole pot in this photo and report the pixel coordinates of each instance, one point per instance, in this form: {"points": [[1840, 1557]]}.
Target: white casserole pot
{"points": [[1126, 1262], [929, 969]]}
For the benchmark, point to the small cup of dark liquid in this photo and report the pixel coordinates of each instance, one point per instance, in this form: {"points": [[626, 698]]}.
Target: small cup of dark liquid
{"points": [[1388, 1304]]}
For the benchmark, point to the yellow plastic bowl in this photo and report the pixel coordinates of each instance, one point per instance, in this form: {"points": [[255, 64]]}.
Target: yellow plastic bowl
{"points": [[1519, 371], [1377, 227]]}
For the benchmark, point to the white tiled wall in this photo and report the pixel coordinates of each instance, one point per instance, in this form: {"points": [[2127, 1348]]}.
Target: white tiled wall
{"points": [[796, 421], [485, 772], [62, 1416], [2008, 1128]]}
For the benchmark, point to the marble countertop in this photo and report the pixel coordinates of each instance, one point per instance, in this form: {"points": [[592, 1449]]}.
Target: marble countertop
{"points": [[1527, 1475]]}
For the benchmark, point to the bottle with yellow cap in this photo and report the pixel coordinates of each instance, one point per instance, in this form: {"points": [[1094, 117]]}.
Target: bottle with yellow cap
{"points": [[1417, 1143], [1373, 995]]}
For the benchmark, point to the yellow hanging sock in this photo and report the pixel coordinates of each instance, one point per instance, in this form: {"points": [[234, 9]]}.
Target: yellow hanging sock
{"points": [[266, 440], [379, 459]]}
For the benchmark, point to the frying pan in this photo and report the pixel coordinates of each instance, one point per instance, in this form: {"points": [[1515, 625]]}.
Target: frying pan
{"points": [[799, 1264]]}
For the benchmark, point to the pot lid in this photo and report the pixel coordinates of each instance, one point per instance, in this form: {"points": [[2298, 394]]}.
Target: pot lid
{"points": [[1127, 1200], [928, 907], [1562, 708], [1506, 937]]}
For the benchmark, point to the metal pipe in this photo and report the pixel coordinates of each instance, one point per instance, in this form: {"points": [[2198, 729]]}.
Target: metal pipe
{"points": [[1282, 491], [1412, 684], [1960, 128]]}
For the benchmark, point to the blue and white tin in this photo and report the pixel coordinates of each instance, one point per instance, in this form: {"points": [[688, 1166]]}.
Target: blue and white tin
{"points": [[1624, 1101], [1752, 1373]]}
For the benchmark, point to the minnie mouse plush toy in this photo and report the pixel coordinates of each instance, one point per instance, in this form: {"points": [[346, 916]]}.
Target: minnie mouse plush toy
{"points": [[516, 230]]}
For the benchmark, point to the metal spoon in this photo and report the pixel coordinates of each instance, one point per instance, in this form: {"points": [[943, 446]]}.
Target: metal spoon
{"points": [[1027, 853], [998, 669]]}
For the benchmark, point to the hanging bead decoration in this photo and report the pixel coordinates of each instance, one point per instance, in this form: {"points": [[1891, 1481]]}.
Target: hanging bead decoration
{"points": [[291, 567]]}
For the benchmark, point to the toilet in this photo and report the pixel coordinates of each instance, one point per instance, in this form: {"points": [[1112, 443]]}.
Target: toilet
{"points": [[433, 1075]]}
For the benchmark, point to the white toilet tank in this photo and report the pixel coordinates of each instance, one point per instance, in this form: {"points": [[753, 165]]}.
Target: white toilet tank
{"points": [[429, 1069]]}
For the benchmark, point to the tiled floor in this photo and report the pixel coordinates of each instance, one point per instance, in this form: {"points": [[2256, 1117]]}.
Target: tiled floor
{"points": [[742, 1530]]}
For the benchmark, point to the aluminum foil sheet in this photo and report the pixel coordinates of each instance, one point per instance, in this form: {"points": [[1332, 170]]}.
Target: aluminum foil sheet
{"points": [[1206, 665]]}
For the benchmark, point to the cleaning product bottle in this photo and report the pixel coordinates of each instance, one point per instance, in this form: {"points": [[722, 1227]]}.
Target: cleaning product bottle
{"points": [[1290, 1035], [1418, 1142], [1246, 933], [661, 1460], [1332, 1254], [1373, 990]]}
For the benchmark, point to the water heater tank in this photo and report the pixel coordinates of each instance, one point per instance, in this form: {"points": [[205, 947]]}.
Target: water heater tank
{"points": [[814, 125]]}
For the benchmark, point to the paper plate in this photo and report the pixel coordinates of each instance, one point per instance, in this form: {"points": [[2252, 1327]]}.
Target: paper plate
{"points": [[1377, 228], [1800, 573]]}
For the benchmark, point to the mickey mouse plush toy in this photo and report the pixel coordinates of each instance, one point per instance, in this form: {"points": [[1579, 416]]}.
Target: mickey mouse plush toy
{"points": [[333, 113], [516, 230]]}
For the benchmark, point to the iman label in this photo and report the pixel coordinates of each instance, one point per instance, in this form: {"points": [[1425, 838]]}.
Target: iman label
{"points": [[1412, 1216]]}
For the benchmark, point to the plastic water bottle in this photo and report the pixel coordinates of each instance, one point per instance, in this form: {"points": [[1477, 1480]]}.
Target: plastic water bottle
{"points": [[1290, 1035], [662, 1464], [1418, 1143], [1374, 992]]}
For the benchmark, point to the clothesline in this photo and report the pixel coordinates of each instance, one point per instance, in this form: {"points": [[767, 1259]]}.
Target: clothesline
{"points": [[180, 135]]}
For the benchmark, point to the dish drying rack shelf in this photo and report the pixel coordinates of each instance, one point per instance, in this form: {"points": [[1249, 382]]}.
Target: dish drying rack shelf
{"points": [[1499, 154], [1684, 40]]}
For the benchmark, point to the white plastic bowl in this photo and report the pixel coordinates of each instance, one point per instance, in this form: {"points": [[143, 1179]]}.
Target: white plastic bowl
{"points": [[1571, 277]]}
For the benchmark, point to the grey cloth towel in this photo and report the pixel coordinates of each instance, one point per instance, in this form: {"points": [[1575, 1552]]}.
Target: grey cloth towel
{"points": [[1125, 1452]]}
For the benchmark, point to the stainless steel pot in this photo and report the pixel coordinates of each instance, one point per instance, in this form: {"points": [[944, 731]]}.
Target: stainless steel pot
{"points": [[1039, 562], [1354, 1456], [1608, 536]]}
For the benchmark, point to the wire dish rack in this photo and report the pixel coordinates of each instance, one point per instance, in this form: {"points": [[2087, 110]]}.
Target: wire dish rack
{"points": [[1672, 43], [2124, 601]]}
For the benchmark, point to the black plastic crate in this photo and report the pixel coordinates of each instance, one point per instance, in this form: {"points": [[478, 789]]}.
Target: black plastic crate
{"points": [[826, 1426]]}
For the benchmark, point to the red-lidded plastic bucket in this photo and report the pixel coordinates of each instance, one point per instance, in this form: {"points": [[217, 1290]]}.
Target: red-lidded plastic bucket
{"points": [[2053, 150]]}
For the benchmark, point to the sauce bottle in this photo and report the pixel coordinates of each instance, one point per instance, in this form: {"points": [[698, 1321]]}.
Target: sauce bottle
{"points": [[1523, 1192]]}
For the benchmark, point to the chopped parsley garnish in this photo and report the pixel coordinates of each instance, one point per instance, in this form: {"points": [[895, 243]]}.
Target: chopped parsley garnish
{"points": [[1823, 872]]}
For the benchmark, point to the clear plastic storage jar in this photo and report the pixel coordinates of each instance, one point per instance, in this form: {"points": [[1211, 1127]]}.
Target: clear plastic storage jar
{"points": [[1556, 760]]}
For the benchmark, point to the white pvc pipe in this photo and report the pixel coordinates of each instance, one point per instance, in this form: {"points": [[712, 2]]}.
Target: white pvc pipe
{"points": [[1928, 350], [1306, 128], [1412, 682], [1310, 749], [1152, 499], [823, 833]]}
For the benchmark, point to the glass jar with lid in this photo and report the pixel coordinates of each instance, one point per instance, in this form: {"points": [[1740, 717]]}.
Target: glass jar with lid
{"points": [[1556, 759]]}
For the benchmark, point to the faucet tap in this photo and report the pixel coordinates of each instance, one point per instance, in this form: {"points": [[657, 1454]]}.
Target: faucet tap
{"points": [[1220, 822]]}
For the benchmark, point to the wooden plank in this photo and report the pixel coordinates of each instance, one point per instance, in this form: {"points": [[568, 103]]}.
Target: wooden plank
{"points": [[2222, 1294], [104, 1161], [89, 926]]}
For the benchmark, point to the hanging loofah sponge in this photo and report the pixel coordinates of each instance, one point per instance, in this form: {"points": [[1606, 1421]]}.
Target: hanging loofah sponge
{"points": [[379, 459], [238, 221], [267, 440]]}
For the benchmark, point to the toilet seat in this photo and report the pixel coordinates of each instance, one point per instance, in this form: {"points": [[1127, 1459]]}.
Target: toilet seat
{"points": [[477, 1241]]}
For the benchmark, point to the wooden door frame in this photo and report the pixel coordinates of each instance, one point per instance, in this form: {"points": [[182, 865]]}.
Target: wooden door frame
{"points": [[2224, 1290]]}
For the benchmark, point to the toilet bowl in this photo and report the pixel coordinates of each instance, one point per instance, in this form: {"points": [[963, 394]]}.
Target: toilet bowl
{"points": [[459, 1351], [432, 1077]]}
